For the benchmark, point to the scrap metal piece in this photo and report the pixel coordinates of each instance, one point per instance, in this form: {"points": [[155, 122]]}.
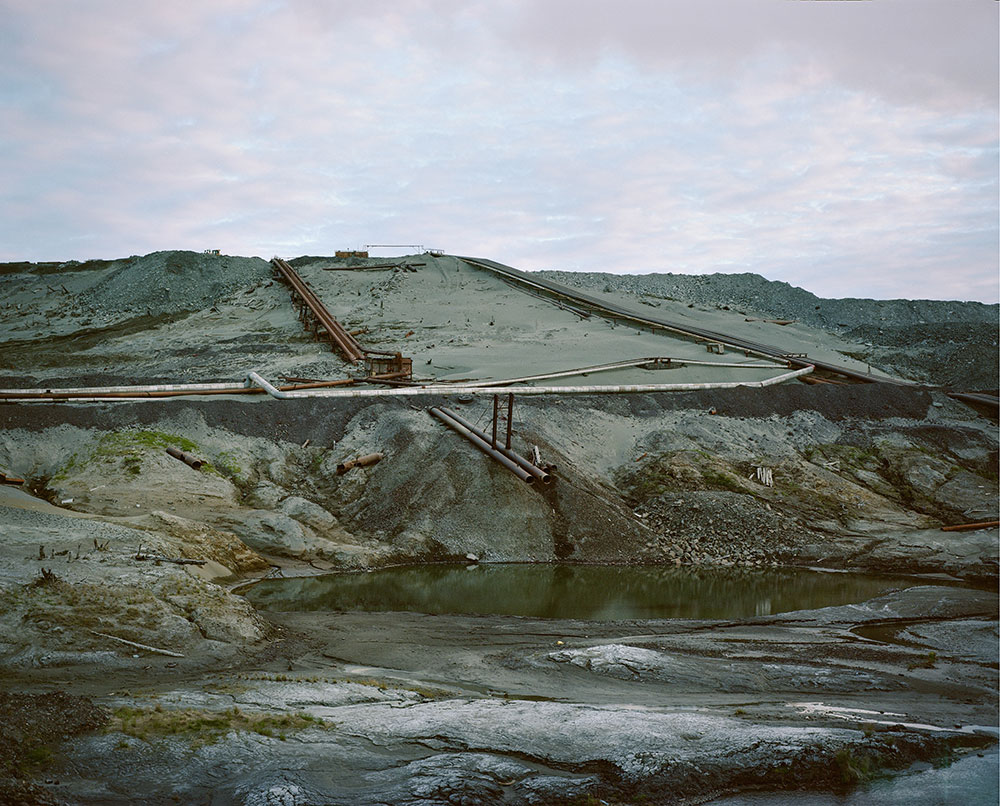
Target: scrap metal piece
{"points": [[187, 458], [362, 461]]}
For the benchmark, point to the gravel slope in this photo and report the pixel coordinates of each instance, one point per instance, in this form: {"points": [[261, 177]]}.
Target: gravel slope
{"points": [[949, 343]]}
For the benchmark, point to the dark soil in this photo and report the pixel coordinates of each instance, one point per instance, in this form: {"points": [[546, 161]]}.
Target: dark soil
{"points": [[32, 726]]}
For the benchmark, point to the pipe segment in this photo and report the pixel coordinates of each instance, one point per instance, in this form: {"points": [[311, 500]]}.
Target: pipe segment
{"points": [[483, 445], [534, 470]]}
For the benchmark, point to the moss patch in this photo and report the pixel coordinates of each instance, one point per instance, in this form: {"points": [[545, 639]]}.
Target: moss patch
{"points": [[127, 448], [681, 470], [207, 727], [129, 611]]}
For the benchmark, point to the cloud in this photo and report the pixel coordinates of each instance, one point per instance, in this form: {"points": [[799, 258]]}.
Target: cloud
{"points": [[849, 150], [928, 51]]}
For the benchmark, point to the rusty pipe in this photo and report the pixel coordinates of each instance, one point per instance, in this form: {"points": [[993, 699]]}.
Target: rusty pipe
{"points": [[539, 473], [483, 445], [361, 461], [348, 345], [185, 457]]}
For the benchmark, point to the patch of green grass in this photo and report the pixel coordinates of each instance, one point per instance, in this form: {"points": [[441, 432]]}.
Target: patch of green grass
{"points": [[855, 768], [228, 465], [427, 692], [929, 661], [317, 462], [812, 501], [64, 471], [128, 612], [207, 727], [38, 755], [127, 446], [722, 480], [848, 456], [117, 443]]}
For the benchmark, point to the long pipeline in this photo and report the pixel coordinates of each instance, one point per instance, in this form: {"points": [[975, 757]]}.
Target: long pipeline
{"points": [[977, 399], [621, 312], [309, 300], [99, 394], [483, 445], [535, 471], [635, 362], [461, 389], [348, 345]]}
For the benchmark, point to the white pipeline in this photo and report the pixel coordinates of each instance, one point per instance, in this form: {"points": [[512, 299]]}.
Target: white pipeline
{"points": [[457, 389], [108, 394], [635, 362]]}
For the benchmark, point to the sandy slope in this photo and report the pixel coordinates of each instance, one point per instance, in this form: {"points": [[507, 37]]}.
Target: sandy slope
{"points": [[453, 320]]}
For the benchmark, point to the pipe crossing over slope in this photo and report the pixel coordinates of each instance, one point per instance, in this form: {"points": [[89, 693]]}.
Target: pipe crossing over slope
{"points": [[621, 312]]}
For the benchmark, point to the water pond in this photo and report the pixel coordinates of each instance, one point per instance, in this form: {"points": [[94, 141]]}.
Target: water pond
{"points": [[575, 591]]}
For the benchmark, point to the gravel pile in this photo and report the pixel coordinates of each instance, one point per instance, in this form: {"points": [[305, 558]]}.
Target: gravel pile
{"points": [[960, 355], [171, 282], [697, 527], [753, 294], [947, 343]]}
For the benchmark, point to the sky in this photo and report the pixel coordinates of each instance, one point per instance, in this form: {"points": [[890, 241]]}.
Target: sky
{"points": [[849, 147]]}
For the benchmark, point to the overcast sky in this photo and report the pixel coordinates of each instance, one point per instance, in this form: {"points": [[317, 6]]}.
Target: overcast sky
{"points": [[846, 146]]}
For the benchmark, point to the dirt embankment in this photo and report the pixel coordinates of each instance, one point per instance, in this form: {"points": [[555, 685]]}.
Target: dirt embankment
{"points": [[652, 478]]}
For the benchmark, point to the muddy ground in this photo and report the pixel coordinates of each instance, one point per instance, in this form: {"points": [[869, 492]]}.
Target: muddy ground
{"points": [[170, 684]]}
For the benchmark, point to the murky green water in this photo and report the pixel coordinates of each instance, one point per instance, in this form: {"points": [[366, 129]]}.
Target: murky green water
{"points": [[970, 781], [573, 591]]}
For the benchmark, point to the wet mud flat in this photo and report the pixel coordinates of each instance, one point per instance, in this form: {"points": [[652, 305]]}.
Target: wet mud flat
{"points": [[408, 708], [400, 708]]}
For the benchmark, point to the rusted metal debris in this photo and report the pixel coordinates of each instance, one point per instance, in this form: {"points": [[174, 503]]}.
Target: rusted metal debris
{"points": [[968, 527], [158, 558], [362, 461], [296, 379], [7, 479], [376, 267], [773, 321], [392, 379], [187, 458], [388, 365]]}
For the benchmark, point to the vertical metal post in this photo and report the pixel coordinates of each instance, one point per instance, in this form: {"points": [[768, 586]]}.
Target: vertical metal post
{"points": [[510, 417], [496, 411]]}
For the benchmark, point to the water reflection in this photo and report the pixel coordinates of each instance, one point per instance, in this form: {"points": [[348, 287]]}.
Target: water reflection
{"points": [[574, 591], [970, 781]]}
